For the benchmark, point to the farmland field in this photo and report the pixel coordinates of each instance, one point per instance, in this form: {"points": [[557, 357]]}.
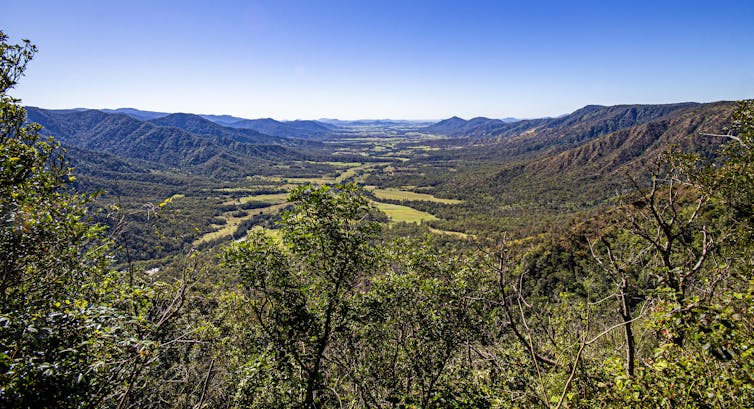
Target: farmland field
{"points": [[396, 194], [400, 213]]}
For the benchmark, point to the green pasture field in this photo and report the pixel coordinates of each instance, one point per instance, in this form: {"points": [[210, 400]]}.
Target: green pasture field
{"points": [[400, 213], [396, 194]]}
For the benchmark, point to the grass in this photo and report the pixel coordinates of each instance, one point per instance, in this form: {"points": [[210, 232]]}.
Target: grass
{"points": [[232, 222], [396, 194], [171, 198], [346, 170], [450, 233], [400, 213], [337, 164], [350, 172], [364, 168], [275, 234]]}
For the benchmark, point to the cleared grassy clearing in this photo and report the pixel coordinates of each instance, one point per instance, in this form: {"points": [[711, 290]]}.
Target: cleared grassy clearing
{"points": [[253, 189], [399, 213], [171, 198], [235, 189], [337, 164], [345, 170], [230, 227], [450, 233], [276, 234], [366, 140], [347, 174], [396, 194], [363, 169], [393, 158]]}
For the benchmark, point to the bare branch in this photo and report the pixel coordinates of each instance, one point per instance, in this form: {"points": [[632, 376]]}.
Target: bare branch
{"points": [[575, 364], [206, 382], [618, 325], [705, 247], [735, 138]]}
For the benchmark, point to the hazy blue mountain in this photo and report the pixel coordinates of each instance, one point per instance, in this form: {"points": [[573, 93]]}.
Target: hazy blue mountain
{"points": [[452, 126], [374, 123], [136, 113], [196, 124], [224, 120], [315, 126], [456, 126], [292, 129]]}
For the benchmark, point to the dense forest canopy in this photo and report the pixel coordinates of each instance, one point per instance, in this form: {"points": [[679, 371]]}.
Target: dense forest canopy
{"points": [[645, 299]]}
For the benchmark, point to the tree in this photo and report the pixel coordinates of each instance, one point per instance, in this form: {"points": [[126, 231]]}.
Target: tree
{"points": [[73, 332], [301, 290], [691, 231], [414, 330], [49, 256]]}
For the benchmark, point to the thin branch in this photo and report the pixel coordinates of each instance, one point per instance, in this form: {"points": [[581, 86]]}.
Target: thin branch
{"points": [[206, 382], [705, 247], [618, 325], [527, 344], [531, 340], [575, 364]]}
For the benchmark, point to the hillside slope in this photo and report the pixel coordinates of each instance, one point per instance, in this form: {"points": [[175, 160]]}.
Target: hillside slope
{"points": [[544, 170], [587, 122], [198, 125], [121, 135], [293, 129]]}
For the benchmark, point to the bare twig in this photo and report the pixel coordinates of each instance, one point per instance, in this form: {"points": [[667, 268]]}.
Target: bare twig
{"points": [[206, 383], [735, 138], [575, 365]]}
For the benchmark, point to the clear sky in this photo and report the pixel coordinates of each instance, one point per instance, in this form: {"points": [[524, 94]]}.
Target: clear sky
{"points": [[383, 58]]}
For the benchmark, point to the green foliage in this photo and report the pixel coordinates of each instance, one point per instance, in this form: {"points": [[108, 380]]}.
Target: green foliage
{"points": [[73, 332], [338, 318], [690, 243], [49, 330], [301, 292], [412, 328]]}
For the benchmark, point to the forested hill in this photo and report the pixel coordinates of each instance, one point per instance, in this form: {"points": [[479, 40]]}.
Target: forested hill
{"points": [[593, 120], [456, 126], [293, 129], [298, 129], [200, 147], [198, 125], [543, 170]]}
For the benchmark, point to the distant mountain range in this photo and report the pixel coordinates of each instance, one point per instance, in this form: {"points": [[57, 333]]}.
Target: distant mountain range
{"points": [[456, 126], [374, 123], [584, 157], [287, 129], [182, 141], [135, 113], [291, 129], [198, 125], [599, 119]]}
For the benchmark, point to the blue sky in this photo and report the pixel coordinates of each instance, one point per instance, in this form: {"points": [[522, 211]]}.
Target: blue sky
{"points": [[383, 58]]}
